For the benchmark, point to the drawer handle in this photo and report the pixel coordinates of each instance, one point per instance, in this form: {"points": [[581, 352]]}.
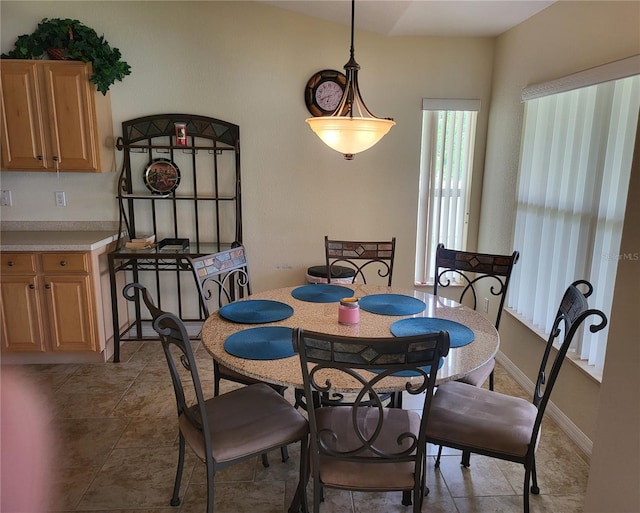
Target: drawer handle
{"points": [[63, 263], [10, 263]]}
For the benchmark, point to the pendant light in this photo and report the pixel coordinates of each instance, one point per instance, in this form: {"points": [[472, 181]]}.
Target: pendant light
{"points": [[351, 128]]}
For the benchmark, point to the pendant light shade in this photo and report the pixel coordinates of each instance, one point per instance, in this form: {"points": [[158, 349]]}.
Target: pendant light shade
{"points": [[351, 128], [350, 135]]}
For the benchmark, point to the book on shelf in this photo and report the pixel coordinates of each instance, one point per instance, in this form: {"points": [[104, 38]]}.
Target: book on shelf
{"points": [[141, 242]]}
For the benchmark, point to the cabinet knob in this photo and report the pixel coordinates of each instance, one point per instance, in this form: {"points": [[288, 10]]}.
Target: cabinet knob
{"points": [[39, 157], [32, 286], [10, 263], [47, 286], [63, 263]]}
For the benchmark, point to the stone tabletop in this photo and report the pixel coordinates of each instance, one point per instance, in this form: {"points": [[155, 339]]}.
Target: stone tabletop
{"points": [[323, 317]]}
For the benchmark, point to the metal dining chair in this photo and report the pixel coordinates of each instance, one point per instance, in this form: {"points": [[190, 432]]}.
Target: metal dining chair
{"points": [[365, 445], [485, 422], [474, 273], [225, 429], [222, 278], [363, 257], [477, 274]]}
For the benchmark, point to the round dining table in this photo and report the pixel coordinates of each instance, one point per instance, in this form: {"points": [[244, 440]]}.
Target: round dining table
{"points": [[311, 314]]}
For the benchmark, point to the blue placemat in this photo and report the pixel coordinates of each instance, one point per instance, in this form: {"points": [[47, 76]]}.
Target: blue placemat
{"points": [[321, 293], [262, 343], [256, 311], [392, 304], [459, 334]]}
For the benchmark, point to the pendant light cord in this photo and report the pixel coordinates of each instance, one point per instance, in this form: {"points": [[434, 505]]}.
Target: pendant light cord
{"points": [[353, 15]]}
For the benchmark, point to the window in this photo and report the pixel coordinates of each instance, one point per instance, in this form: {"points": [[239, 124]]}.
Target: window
{"points": [[448, 136], [574, 172]]}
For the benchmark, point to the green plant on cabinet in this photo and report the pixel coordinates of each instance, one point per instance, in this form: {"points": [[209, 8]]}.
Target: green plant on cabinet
{"points": [[69, 39]]}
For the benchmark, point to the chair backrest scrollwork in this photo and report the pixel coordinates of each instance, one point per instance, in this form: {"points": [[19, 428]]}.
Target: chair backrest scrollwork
{"points": [[360, 256], [221, 278], [472, 271], [327, 360]]}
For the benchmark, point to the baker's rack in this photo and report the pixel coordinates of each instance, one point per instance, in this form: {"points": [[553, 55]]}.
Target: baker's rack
{"points": [[204, 208]]}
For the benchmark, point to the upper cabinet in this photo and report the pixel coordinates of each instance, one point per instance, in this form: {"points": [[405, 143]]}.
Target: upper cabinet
{"points": [[53, 118]]}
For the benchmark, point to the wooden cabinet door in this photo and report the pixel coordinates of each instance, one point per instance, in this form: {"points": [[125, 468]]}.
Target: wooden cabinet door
{"points": [[72, 134], [23, 137], [70, 309], [20, 314]]}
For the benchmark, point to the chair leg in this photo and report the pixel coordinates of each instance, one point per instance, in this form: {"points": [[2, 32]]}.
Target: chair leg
{"points": [[285, 453], [466, 459], [525, 494], [265, 460], [317, 495], [175, 499], [210, 484], [406, 498], [300, 497], [534, 478], [437, 464], [299, 399], [216, 380], [491, 381]]}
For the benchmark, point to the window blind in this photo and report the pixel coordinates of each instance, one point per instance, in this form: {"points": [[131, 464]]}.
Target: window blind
{"points": [[448, 136], [574, 172]]}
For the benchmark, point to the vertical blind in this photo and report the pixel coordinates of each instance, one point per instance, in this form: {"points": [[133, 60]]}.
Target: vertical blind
{"points": [[575, 164], [448, 135]]}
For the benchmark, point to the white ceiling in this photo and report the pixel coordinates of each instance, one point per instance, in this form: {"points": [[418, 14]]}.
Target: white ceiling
{"points": [[470, 18]]}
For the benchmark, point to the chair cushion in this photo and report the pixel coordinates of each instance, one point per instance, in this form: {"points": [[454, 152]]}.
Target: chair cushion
{"points": [[246, 421], [477, 418], [362, 475], [480, 375]]}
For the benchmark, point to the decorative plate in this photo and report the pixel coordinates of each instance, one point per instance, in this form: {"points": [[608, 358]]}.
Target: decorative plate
{"points": [[161, 176]]}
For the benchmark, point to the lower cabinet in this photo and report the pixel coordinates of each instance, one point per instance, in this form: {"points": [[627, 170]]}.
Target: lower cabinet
{"points": [[51, 302]]}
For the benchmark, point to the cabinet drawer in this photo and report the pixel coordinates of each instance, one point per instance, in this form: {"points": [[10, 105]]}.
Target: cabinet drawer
{"points": [[64, 262], [18, 263]]}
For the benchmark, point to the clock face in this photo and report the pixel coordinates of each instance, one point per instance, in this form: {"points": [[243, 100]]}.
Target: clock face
{"points": [[328, 95], [324, 91]]}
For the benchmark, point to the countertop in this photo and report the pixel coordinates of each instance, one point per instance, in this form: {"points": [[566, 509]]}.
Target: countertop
{"points": [[56, 236], [56, 240]]}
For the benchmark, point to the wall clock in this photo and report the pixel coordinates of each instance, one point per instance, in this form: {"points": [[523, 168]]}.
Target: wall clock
{"points": [[323, 92], [161, 176]]}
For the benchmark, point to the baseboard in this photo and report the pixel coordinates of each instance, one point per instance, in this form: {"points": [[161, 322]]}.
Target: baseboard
{"points": [[583, 442]]}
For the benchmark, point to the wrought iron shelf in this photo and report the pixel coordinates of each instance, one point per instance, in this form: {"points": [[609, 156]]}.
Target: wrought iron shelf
{"points": [[208, 212]]}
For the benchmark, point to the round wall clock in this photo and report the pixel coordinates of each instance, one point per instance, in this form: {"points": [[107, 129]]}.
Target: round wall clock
{"points": [[323, 92], [161, 176]]}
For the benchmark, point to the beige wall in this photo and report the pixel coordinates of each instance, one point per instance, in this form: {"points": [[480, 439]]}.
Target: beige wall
{"points": [[565, 38], [248, 63], [618, 424]]}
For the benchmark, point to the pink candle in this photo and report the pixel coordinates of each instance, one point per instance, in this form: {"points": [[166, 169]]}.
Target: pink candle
{"points": [[349, 311]]}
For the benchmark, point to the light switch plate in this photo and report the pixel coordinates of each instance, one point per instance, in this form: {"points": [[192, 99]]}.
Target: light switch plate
{"points": [[5, 199], [61, 199]]}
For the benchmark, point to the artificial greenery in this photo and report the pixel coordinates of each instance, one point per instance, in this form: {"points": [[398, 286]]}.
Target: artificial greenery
{"points": [[78, 43]]}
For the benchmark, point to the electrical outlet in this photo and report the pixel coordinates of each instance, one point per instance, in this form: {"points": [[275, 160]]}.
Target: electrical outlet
{"points": [[486, 305], [5, 199], [61, 199]]}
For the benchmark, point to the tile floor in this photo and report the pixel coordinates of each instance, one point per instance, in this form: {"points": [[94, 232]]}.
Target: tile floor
{"points": [[117, 453]]}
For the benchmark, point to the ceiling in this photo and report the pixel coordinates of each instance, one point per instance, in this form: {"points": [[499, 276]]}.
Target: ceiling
{"points": [[460, 18]]}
